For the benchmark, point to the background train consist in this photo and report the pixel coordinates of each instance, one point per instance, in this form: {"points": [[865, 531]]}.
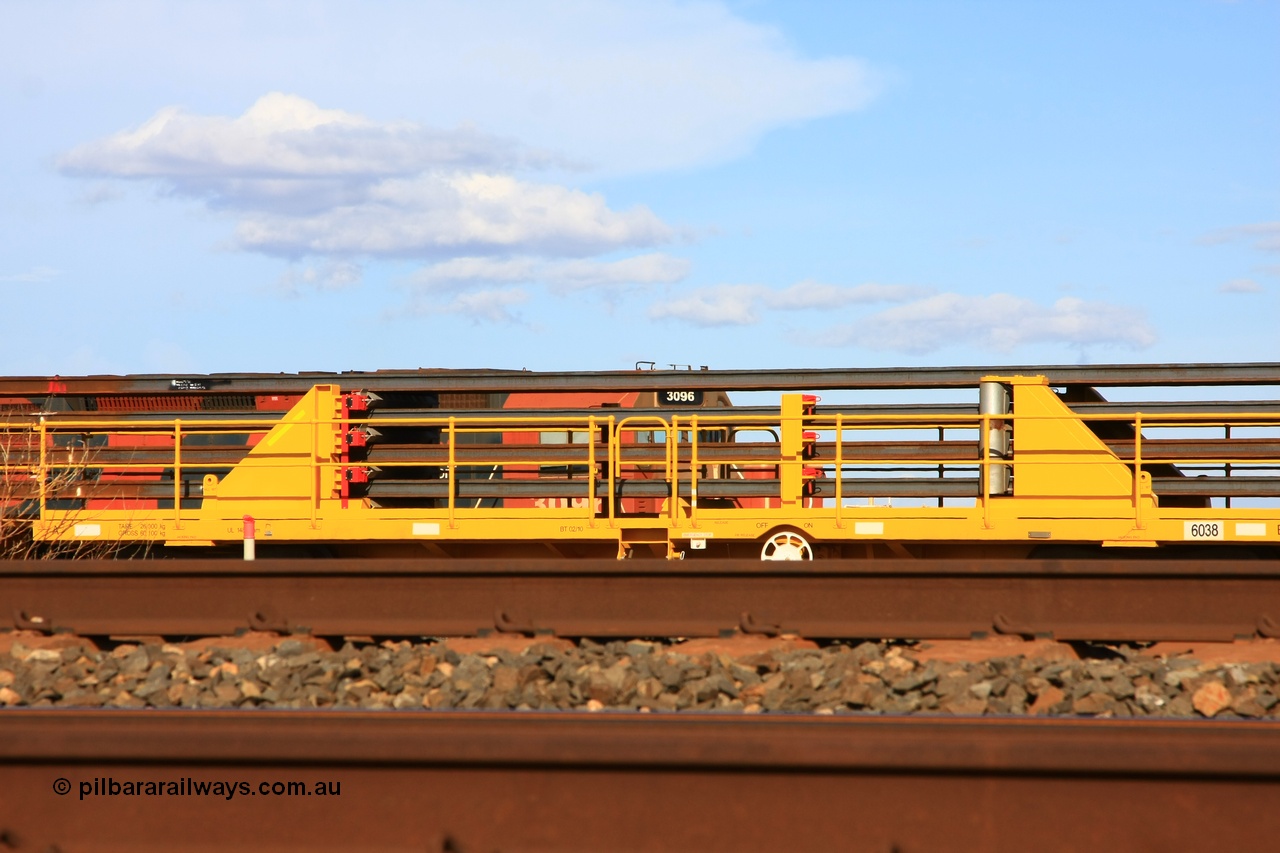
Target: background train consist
{"points": [[652, 463]]}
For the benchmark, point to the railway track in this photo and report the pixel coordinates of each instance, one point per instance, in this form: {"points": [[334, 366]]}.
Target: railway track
{"points": [[1089, 600], [444, 781], [494, 781]]}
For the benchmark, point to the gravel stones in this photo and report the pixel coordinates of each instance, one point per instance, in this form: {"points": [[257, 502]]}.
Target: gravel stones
{"points": [[537, 674]]}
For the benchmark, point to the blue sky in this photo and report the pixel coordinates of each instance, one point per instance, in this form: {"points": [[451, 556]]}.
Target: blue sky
{"points": [[281, 186]]}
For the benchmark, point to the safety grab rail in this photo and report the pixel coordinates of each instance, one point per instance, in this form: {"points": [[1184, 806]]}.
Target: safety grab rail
{"points": [[682, 436]]}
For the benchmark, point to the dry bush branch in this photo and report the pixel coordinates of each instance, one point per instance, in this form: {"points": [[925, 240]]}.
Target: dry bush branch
{"points": [[67, 477]]}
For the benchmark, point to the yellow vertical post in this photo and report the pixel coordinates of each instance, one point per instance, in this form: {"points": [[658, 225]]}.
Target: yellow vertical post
{"points": [[452, 471], [177, 472], [942, 439], [984, 479], [591, 471], [1226, 468], [791, 467], [693, 472], [614, 452], [839, 471], [44, 465], [1137, 470], [673, 468]]}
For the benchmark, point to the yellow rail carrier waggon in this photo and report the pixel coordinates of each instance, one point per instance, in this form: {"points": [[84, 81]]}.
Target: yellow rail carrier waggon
{"points": [[1024, 473]]}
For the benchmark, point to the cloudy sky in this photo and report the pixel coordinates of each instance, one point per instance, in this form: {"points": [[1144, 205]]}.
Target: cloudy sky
{"points": [[283, 186]]}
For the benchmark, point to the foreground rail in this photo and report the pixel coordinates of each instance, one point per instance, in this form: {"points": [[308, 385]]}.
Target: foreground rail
{"points": [[1135, 600], [513, 781]]}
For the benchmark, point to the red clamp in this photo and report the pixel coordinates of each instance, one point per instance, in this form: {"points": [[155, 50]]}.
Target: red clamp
{"points": [[357, 437], [356, 401]]}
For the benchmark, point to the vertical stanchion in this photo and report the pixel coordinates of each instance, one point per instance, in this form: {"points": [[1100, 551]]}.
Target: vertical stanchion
{"points": [[177, 472], [985, 479], [693, 472], [1137, 470], [591, 471], [614, 452], [942, 440], [673, 470], [453, 472], [44, 465], [839, 471], [1226, 469]]}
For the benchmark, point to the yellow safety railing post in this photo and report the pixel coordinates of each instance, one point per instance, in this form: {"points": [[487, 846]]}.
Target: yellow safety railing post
{"points": [[591, 471], [791, 446], [839, 471], [1226, 469], [693, 472], [942, 473], [44, 465], [615, 440], [177, 472], [452, 471], [984, 481], [1137, 470], [673, 469]]}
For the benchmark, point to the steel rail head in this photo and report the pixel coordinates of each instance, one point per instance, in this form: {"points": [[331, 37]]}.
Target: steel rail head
{"points": [[442, 380]]}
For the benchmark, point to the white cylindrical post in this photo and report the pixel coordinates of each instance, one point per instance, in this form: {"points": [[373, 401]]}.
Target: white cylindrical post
{"points": [[994, 399], [248, 538]]}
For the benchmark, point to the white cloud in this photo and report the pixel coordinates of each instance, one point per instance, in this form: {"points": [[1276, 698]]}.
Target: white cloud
{"points": [[489, 305], [719, 305], [1240, 285], [427, 152], [280, 137], [311, 181], [459, 214], [811, 294], [101, 193], [1265, 236], [744, 304], [630, 85], [560, 276], [325, 276], [653, 268], [34, 275], [999, 321], [285, 155]]}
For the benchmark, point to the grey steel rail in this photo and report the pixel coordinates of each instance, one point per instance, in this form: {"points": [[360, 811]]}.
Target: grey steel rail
{"points": [[456, 782], [431, 380], [894, 411], [1103, 599]]}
